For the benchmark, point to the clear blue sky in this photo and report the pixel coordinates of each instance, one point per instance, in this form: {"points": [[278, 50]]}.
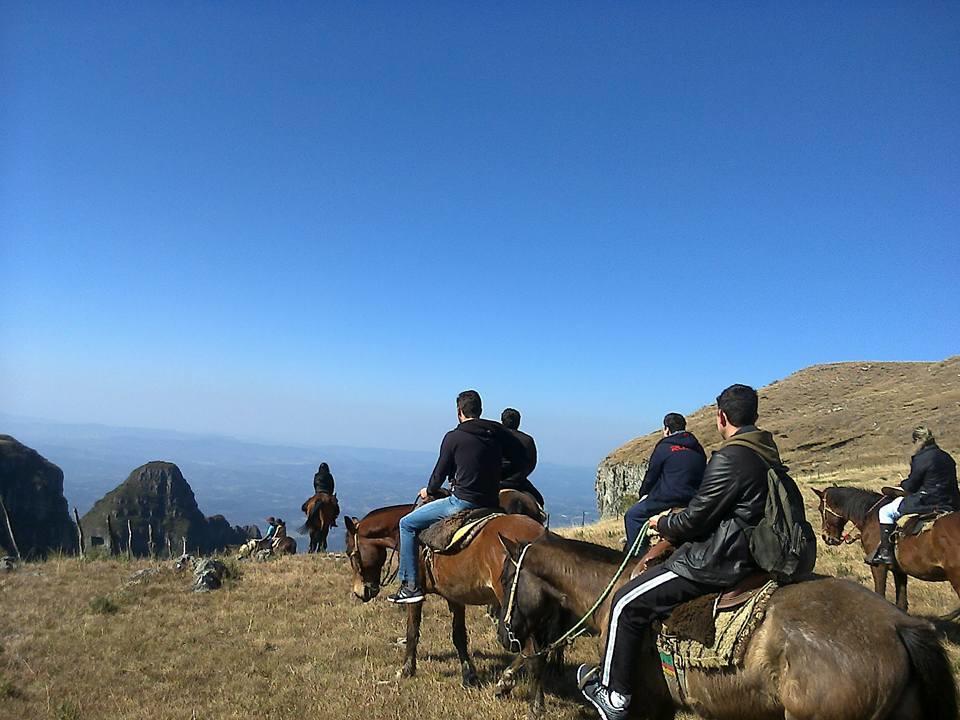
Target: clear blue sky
{"points": [[317, 222]]}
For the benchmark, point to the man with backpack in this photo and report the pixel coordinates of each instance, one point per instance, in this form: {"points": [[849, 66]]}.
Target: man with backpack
{"points": [[747, 508]]}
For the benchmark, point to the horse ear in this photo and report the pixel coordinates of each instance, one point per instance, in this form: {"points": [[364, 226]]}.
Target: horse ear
{"points": [[350, 523], [512, 548], [818, 493]]}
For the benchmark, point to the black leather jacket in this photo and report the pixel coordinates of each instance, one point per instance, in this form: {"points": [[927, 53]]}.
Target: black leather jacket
{"points": [[932, 483], [711, 532]]}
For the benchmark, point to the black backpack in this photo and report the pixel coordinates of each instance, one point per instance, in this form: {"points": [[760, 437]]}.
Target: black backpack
{"points": [[783, 543]]}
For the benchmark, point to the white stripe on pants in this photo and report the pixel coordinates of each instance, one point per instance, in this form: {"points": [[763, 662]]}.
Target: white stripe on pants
{"points": [[618, 608]]}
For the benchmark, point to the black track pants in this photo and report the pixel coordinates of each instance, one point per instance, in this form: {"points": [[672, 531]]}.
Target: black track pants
{"points": [[644, 599]]}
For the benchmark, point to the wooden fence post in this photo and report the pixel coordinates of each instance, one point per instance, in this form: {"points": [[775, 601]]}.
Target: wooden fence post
{"points": [[76, 516], [112, 540], [151, 548], [13, 540], [129, 540]]}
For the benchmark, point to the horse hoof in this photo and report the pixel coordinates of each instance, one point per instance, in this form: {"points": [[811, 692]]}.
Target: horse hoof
{"points": [[405, 672], [470, 681], [502, 690]]}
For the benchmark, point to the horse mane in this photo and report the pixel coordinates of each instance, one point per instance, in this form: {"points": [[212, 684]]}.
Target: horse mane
{"points": [[855, 502], [372, 518], [590, 552]]}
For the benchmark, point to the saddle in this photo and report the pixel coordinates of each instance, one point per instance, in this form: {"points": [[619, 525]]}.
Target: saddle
{"points": [[455, 532], [917, 523]]}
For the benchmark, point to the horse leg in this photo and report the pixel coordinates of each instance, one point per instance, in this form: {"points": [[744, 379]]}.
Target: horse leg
{"points": [[900, 583], [879, 579], [414, 617], [535, 669], [460, 643], [322, 545], [508, 679]]}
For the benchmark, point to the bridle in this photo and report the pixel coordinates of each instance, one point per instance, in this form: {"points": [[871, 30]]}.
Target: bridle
{"points": [[845, 538], [387, 575]]}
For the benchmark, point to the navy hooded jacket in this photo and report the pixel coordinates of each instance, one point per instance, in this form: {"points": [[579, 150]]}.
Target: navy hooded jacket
{"points": [[675, 470]]}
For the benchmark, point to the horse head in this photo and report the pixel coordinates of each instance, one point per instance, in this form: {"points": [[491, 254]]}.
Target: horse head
{"points": [[367, 556], [831, 522], [533, 608]]}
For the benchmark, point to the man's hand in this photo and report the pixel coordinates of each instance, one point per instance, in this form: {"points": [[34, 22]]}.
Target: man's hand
{"points": [[656, 518], [423, 493]]}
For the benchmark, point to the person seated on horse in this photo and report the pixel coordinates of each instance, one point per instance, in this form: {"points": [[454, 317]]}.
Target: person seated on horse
{"points": [[673, 476], [267, 540], [323, 483], [930, 487], [712, 537], [516, 476], [470, 456]]}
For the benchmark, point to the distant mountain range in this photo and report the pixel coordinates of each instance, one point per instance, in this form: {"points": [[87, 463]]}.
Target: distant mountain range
{"points": [[246, 480]]}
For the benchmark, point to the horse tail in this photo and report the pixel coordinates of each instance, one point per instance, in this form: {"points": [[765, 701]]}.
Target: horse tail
{"points": [[938, 690], [312, 517]]}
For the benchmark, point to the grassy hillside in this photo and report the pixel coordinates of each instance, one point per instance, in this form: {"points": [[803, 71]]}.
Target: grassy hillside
{"points": [[284, 640], [829, 418]]}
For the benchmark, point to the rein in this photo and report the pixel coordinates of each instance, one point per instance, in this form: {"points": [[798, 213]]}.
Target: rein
{"points": [[580, 627]]}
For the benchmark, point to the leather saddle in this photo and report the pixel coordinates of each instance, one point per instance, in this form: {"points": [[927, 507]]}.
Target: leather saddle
{"points": [[916, 523], [456, 531]]}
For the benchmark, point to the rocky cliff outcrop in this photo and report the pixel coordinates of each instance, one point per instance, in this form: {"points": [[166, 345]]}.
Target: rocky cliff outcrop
{"points": [[618, 485], [825, 418], [32, 491], [157, 498]]}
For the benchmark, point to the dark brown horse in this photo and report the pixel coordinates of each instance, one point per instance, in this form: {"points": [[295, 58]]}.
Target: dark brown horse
{"points": [[322, 511], [827, 648], [468, 577], [932, 555], [517, 502]]}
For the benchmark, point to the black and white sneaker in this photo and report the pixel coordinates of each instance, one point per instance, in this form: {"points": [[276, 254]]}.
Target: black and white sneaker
{"points": [[406, 595], [588, 680]]}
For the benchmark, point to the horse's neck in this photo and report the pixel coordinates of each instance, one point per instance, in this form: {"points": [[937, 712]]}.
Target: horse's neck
{"points": [[582, 580], [385, 524], [869, 515]]}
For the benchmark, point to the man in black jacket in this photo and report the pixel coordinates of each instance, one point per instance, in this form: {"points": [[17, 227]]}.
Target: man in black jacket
{"points": [[930, 487], [713, 549], [673, 476], [516, 476], [470, 456]]}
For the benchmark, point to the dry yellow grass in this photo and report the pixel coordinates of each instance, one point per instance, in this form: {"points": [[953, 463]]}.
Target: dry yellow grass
{"points": [[285, 640]]}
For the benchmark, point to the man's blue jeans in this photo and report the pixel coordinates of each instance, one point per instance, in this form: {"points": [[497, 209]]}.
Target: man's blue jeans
{"points": [[638, 515], [420, 519]]}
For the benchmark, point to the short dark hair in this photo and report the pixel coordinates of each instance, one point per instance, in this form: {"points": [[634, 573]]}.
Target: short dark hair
{"points": [[674, 422], [468, 403], [510, 418], [739, 404]]}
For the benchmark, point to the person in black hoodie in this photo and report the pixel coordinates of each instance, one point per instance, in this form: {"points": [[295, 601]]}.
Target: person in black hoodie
{"points": [[323, 480], [470, 456], [930, 487], [517, 476], [712, 536], [673, 476]]}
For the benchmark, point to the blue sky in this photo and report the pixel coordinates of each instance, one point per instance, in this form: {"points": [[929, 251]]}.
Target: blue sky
{"points": [[317, 222]]}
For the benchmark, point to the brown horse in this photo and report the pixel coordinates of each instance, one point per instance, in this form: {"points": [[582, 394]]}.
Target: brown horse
{"points": [[827, 649], [322, 511], [468, 577], [932, 555], [517, 502]]}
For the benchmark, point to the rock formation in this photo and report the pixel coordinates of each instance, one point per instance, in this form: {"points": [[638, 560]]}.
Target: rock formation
{"points": [[156, 497], [31, 488]]}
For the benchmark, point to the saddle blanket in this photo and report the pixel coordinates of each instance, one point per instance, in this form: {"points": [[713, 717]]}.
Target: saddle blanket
{"points": [[731, 634], [457, 531]]}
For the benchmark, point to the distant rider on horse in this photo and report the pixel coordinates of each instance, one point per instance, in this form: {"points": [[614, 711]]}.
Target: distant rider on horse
{"points": [[930, 487], [712, 537], [517, 476], [323, 483], [470, 456]]}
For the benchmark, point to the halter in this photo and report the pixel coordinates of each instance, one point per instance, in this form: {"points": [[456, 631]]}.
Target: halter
{"points": [[580, 627], [386, 576], [845, 538]]}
